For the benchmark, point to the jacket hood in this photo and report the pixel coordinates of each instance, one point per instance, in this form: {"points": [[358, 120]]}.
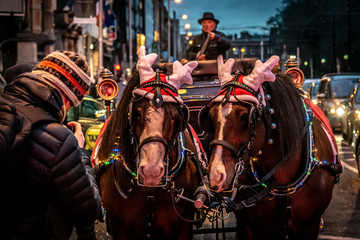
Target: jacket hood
{"points": [[32, 89]]}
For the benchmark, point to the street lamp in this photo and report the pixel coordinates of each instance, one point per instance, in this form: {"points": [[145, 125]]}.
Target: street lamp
{"points": [[242, 50], [169, 27]]}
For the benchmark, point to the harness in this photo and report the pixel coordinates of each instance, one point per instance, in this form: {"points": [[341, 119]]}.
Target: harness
{"points": [[117, 160], [265, 187]]}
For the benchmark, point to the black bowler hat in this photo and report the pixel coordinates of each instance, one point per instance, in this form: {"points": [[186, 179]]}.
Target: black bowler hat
{"points": [[208, 16]]}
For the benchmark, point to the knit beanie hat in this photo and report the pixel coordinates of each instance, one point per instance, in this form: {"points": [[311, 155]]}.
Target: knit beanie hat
{"points": [[66, 71]]}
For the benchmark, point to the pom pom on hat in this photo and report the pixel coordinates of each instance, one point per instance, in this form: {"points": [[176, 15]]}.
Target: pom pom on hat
{"points": [[66, 71]]}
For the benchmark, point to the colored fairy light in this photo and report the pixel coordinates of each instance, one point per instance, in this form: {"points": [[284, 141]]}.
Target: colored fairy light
{"points": [[263, 184]]}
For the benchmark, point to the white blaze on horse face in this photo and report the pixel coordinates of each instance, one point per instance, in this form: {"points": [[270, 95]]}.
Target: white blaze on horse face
{"points": [[217, 170], [152, 154]]}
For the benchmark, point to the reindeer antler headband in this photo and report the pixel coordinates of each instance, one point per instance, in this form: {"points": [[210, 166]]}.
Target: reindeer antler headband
{"points": [[261, 73], [181, 75]]}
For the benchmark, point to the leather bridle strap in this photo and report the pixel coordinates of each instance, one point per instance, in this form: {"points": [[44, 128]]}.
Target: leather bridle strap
{"points": [[227, 145], [154, 139]]}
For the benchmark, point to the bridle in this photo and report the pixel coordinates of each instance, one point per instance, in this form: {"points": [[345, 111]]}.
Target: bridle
{"points": [[157, 86]]}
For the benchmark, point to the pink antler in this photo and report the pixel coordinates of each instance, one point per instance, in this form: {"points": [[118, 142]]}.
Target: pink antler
{"points": [[144, 64], [261, 73], [224, 70], [182, 74]]}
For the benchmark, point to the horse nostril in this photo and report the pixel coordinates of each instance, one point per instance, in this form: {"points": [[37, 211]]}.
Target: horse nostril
{"points": [[222, 177], [142, 171], [214, 188]]}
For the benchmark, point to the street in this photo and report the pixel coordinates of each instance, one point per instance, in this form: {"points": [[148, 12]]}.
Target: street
{"points": [[342, 217]]}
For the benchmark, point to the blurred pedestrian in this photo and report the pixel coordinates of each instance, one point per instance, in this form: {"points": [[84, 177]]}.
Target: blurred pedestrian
{"points": [[215, 46], [14, 71], [56, 169]]}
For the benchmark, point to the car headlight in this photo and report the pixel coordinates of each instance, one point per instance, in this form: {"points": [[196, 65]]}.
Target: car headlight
{"points": [[340, 111], [357, 114]]}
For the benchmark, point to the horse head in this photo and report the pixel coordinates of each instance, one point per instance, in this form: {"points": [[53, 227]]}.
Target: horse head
{"points": [[234, 120], [157, 115]]}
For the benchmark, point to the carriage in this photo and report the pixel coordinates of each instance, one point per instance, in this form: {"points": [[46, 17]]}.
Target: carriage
{"points": [[275, 172]]}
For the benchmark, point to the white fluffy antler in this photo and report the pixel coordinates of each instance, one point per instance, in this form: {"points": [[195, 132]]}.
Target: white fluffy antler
{"points": [[144, 64], [224, 70], [182, 74], [261, 73]]}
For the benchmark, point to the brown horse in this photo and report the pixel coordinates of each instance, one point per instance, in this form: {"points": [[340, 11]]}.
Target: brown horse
{"points": [[147, 167], [269, 159]]}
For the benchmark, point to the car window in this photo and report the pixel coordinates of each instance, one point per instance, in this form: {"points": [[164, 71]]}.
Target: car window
{"points": [[92, 109], [306, 86], [357, 97], [323, 86], [341, 87], [315, 89]]}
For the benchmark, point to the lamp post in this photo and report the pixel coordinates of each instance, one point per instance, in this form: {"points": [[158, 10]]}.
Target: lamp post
{"points": [[169, 28], [242, 52], [100, 36], [130, 35]]}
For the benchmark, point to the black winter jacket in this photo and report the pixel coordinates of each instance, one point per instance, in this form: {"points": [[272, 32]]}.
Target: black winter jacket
{"points": [[56, 171], [216, 46]]}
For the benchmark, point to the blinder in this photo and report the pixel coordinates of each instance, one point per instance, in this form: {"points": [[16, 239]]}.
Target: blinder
{"points": [[203, 117], [184, 120]]}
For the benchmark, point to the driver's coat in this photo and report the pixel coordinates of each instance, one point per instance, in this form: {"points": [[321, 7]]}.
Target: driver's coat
{"points": [[217, 171]]}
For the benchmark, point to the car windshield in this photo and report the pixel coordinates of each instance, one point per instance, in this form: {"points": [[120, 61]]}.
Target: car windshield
{"points": [[341, 86], [314, 90]]}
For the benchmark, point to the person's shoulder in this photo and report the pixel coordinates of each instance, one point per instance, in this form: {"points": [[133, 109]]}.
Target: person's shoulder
{"points": [[53, 133]]}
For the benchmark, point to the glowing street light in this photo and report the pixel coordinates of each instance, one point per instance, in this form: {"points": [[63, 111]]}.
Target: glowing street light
{"points": [[242, 50], [189, 34], [184, 16], [187, 26]]}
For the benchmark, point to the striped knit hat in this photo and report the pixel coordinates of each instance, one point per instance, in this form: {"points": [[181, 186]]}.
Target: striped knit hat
{"points": [[66, 71]]}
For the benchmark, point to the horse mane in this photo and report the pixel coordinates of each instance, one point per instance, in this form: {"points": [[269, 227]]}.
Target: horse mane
{"points": [[118, 130], [289, 113]]}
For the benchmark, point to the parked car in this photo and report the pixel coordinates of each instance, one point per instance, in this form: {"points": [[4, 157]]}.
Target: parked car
{"points": [[334, 90], [351, 115], [311, 86], [91, 115], [355, 142]]}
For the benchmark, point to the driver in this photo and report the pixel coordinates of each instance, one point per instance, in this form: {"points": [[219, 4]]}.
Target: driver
{"points": [[217, 45]]}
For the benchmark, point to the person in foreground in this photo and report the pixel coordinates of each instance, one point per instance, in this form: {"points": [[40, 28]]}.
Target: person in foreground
{"points": [[215, 46], [56, 170]]}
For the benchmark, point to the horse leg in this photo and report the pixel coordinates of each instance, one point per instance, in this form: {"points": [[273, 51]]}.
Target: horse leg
{"points": [[310, 229], [242, 230]]}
